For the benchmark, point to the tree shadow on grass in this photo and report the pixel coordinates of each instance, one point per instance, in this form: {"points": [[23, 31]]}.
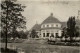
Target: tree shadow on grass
{"points": [[7, 51]]}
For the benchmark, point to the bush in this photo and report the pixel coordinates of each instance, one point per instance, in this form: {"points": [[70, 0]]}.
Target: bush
{"points": [[72, 44], [18, 41]]}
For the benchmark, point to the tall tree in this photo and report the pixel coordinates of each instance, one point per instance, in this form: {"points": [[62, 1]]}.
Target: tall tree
{"points": [[71, 27], [11, 17]]}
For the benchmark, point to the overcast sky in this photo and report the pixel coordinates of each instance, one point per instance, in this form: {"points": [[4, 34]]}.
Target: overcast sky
{"points": [[39, 10]]}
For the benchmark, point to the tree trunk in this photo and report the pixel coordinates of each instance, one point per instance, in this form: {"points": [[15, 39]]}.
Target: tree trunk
{"points": [[6, 29], [6, 42]]}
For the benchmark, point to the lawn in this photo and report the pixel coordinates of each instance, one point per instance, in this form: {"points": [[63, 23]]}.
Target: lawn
{"points": [[41, 46]]}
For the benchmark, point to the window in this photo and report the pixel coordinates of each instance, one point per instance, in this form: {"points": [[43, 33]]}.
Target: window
{"points": [[47, 25], [47, 35], [57, 25], [43, 34], [43, 26], [57, 35]]}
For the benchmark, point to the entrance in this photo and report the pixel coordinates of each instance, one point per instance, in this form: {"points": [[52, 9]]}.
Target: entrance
{"points": [[43, 34], [57, 35], [47, 35]]}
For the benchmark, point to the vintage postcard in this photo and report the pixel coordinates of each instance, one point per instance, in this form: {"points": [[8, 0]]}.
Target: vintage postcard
{"points": [[40, 26]]}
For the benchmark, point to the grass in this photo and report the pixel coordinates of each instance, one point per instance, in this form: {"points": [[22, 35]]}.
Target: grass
{"points": [[41, 46]]}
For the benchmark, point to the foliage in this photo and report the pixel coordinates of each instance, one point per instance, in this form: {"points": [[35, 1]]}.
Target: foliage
{"points": [[11, 17], [71, 30], [64, 33], [34, 34], [23, 34]]}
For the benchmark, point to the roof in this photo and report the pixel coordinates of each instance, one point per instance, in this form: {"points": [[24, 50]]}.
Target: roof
{"points": [[37, 27], [51, 19]]}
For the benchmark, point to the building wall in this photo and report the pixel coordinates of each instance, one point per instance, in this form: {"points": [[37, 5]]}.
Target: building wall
{"points": [[51, 32], [46, 33], [51, 25]]}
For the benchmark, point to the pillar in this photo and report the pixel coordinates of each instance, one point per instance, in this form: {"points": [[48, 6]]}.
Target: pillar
{"points": [[50, 33]]}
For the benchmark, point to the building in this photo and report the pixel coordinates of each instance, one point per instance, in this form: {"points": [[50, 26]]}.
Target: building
{"points": [[51, 26]]}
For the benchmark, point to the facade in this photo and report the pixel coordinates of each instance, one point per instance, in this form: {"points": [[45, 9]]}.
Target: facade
{"points": [[49, 27]]}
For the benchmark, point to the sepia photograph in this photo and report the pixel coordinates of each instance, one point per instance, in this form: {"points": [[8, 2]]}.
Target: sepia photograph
{"points": [[40, 26]]}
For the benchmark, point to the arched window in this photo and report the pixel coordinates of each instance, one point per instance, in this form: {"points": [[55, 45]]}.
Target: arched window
{"points": [[47, 35], [56, 25], [43, 26], [43, 34], [47, 25]]}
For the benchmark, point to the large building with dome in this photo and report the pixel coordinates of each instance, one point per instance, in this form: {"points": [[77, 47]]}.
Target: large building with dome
{"points": [[51, 26]]}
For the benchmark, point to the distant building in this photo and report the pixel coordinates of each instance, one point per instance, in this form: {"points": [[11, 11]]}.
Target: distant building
{"points": [[49, 27]]}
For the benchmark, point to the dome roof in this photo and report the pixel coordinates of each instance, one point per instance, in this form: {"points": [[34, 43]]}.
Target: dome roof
{"points": [[51, 19]]}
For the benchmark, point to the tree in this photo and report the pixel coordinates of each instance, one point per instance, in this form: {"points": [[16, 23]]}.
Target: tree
{"points": [[64, 33], [22, 34], [11, 18], [27, 33], [34, 34], [71, 28]]}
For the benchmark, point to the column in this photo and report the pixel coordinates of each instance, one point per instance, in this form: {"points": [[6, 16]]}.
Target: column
{"points": [[54, 35], [50, 33], [41, 34], [59, 32], [45, 33]]}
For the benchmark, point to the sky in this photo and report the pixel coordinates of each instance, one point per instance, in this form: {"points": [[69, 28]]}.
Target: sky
{"points": [[38, 10]]}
